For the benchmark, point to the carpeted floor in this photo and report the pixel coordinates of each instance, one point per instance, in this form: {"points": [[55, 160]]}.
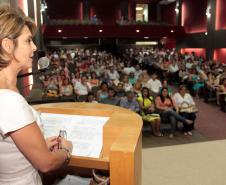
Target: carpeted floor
{"points": [[210, 125]]}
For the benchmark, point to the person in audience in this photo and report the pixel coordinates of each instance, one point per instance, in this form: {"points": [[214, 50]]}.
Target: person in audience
{"points": [[111, 98], [138, 71], [222, 94], [166, 106], [184, 99], [165, 85], [66, 89], [113, 74], [137, 88], [103, 92], [76, 78], [173, 72], [82, 89], [210, 87], [127, 85], [52, 87], [130, 102], [222, 87], [24, 150], [132, 79], [94, 81], [120, 92], [91, 98], [154, 85], [145, 78], [147, 111]]}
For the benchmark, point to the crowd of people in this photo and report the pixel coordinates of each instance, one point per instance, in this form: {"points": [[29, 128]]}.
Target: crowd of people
{"points": [[138, 80]]}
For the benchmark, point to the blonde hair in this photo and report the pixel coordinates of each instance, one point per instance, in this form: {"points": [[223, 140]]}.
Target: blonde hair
{"points": [[12, 22]]}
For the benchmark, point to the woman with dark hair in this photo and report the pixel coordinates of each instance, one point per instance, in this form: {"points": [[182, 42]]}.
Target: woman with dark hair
{"points": [[103, 92], [147, 111], [166, 107]]}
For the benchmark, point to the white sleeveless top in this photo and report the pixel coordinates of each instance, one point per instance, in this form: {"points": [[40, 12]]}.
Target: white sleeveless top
{"points": [[15, 113]]}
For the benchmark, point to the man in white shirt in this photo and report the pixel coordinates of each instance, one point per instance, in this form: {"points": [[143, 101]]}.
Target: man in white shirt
{"points": [[154, 84], [82, 88], [113, 74]]}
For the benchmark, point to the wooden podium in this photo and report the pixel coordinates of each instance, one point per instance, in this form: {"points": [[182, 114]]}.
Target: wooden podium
{"points": [[122, 140]]}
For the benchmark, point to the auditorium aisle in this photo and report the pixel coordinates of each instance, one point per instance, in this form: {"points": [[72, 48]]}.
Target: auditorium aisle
{"points": [[210, 126]]}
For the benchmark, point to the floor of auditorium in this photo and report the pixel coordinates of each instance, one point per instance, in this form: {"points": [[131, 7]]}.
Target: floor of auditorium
{"points": [[188, 160]]}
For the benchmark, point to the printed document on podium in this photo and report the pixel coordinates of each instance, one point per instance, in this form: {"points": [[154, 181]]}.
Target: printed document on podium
{"points": [[85, 132]]}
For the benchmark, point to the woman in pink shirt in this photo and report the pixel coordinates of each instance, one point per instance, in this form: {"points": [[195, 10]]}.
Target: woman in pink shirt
{"points": [[169, 111]]}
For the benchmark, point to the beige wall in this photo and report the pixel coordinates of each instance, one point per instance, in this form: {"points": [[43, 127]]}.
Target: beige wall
{"points": [[3, 2]]}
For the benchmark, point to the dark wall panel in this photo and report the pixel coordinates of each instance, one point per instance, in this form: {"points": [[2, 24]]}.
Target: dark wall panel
{"points": [[65, 9], [106, 11], [152, 12], [194, 15], [198, 40], [220, 39], [168, 14]]}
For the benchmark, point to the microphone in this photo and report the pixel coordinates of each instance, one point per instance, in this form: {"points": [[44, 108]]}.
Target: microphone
{"points": [[43, 65]]}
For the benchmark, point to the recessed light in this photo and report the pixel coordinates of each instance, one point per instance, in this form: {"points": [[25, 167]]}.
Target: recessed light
{"points": [[85, 37], [100, 31], [146, 37], [172, 31], [137, 31], [59, 31], [139, 8]]}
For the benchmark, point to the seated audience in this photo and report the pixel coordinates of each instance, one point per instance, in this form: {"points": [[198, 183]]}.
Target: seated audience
{"points": [[147, 111], [91, 98], [127, 85], [130, 102], [111, 98], [66, 89], [184, 100], [94, 81], [103, 92], [166, 106], [154, 84], [82, 89], [120, 92]]}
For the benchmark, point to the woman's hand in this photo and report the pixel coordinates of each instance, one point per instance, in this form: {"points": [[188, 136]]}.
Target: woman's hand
{"points": [[52, 143], [63, 143]]}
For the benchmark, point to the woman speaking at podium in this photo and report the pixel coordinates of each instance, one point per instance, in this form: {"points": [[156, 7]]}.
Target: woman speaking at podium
{"points": [[23, 149]]}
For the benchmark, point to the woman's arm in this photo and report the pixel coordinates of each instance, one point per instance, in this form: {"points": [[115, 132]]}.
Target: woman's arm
{"points": [[32, 144]]}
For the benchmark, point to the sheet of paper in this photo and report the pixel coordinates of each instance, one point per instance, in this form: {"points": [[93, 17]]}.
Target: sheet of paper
{"points": [[85, 132]]}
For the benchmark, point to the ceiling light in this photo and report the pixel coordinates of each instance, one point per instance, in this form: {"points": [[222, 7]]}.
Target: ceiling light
{"points": [[85, 37], [172, 31], [59, 31], [206, 33], [176, 10], [100, 31], [139, 8], [146, 43], [208, 14], [137, 31], [146, 37]]}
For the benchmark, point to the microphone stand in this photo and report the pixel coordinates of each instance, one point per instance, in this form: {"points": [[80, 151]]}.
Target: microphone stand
{"points": [[32, 73]]}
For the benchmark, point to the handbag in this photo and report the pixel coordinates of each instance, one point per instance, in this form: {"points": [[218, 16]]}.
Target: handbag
{"points": [[99, 178], [185, 107]]}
